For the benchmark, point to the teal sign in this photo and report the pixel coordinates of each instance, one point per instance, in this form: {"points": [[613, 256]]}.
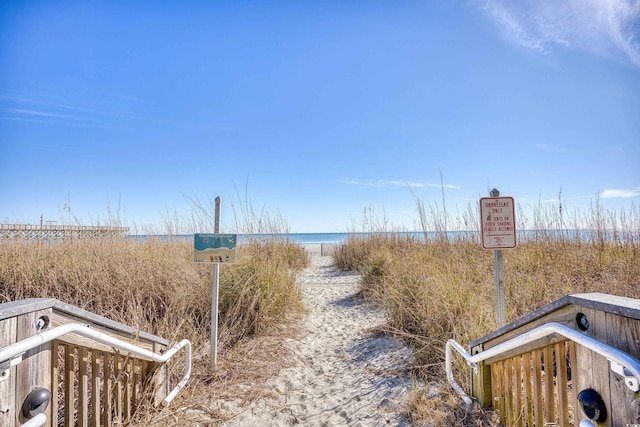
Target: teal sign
{"points": [[217, 248]]}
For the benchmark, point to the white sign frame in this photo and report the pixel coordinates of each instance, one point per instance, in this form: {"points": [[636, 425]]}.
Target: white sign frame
{"points": [[498, 223]]}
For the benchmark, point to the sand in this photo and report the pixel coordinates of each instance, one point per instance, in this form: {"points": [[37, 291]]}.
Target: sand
{"points": [[343, 375]]}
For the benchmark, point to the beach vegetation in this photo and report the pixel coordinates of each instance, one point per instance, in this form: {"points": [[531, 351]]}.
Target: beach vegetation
{"points": [[153, 285], [442, 286]]}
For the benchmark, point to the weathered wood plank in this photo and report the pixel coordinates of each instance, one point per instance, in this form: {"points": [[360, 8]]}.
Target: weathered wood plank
{"points": [[623, 333], [128, 367], [96, 387], [561, 384], [118, 385], [83, 387], [538, 410], [592, 369], [35, 369], [481, 381], [508, 388], [527, 388], [575, 386], [57, 369], [517, 391], [69, 380], [8, 410], [161, 372], [107, 389], [549, 403]]}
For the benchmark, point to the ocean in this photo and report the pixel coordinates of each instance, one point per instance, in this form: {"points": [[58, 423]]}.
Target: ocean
{"points": [[338, 238]]}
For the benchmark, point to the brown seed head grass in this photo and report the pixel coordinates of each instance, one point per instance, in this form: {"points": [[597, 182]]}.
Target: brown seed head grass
{"points": [[156, 287], [444, 287]]}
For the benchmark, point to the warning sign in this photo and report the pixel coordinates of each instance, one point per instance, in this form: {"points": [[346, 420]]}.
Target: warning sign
{"points": [[497, 222]]}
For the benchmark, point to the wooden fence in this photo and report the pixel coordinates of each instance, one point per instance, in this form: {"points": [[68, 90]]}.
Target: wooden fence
{"points": [[90, 383], [539, 384], [56, 233]]}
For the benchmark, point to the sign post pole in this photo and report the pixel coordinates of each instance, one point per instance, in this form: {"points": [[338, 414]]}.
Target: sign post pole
{"points": [[214, 293], [498, 228], [498, 263]]}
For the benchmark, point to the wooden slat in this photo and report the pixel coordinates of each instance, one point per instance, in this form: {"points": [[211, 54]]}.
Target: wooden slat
{"points": [[549, 406], [107, 384], [95, 388], [56, 372], [83, 387], [117, 385], [561, 384], [575, 383], [623, 333], [527, 388], [593, 370], [69, 379], [127, 388], [160, 376], [508, 390], [498, 388], [538, 410], [35, 369], [8, 332], [517, 390]]}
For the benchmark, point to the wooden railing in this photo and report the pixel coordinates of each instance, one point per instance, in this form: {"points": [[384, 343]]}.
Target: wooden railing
{"points": [[91, 383], [56, 233], [539, 384]]}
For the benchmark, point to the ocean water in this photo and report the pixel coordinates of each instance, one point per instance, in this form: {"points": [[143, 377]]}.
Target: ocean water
{"points": [[299, 238], [337, 238]]}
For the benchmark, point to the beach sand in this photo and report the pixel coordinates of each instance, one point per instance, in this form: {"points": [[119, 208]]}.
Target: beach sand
{"points": [[342, 374]]}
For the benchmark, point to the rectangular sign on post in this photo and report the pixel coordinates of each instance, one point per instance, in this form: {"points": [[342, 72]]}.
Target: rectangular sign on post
{"points": [[497, 222], [215, 248]]}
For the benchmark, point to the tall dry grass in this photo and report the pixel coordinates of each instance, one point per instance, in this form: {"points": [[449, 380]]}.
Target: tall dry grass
{"points": [[156, 287], [444, 287]]}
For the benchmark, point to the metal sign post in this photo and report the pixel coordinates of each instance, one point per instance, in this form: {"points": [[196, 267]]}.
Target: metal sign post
{"points": [[498, 229], [214, 293], [215, 248]]}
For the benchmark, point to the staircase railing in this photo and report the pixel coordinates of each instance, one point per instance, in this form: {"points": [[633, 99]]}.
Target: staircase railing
{"points": [[573, 361], [92, 370]]}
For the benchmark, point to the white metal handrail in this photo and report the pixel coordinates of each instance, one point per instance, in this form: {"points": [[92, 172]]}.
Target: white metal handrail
{"points": [[13, 353], [621, 362]]}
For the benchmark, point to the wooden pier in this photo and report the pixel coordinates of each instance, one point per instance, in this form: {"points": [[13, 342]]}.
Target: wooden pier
{"points": [[48, 233]]}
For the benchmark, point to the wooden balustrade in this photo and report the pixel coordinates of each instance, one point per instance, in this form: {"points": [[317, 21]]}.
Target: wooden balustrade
{"points": [[538, 385], [57, 233], [91, 384]]}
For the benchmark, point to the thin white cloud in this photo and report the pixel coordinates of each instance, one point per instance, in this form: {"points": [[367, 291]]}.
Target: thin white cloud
{"points": [[596, 26], [59, 105], [615, 194], [41, 113], [385, 184]]}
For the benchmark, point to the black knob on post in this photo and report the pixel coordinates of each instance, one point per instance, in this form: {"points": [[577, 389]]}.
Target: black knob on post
{"points": [[592, 405], [36, 402]]}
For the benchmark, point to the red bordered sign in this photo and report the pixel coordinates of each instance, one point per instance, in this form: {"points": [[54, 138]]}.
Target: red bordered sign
{"points": [[498, 222]]}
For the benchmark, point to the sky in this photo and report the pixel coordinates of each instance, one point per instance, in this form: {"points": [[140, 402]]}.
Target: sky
{"points": [[315, 111]]}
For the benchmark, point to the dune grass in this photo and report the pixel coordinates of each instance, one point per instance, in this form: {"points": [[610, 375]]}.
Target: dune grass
{"points": [[155, 287], [443, 287]]}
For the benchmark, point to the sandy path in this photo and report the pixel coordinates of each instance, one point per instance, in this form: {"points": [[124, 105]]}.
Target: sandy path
{"points": [[342, 375]]}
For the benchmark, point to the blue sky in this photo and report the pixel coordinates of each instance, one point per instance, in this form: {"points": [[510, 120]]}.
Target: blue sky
{"points": [[316, 110]]}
